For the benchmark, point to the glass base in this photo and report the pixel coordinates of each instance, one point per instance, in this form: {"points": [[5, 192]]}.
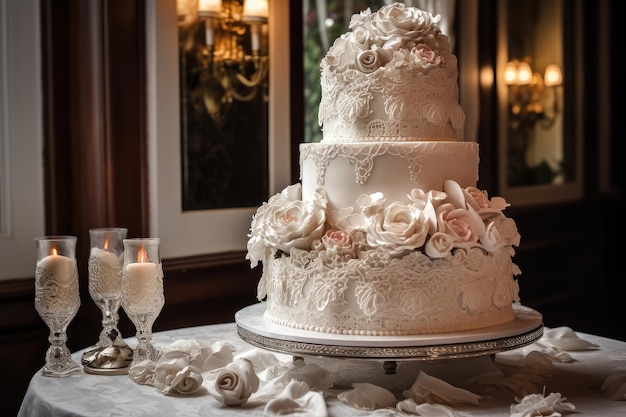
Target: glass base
{"points": [[71, 368], [108, 360]]}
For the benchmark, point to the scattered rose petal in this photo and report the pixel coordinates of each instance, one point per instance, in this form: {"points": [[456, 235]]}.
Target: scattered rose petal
{"points": [[366, 396]]}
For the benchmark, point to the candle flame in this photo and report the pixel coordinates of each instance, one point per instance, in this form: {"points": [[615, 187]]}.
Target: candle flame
{"points": [[54, 251], [142, 255], [106, 244]]}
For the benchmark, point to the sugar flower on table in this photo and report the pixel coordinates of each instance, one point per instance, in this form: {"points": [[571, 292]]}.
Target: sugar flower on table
{"points": [[199, 354], [428, 389], [297, 399], [535, 405], [174, 374], [235, 383], [409, 406], [143, 372], [614, 386], [366, 396], [564, 338], [173, 377]]}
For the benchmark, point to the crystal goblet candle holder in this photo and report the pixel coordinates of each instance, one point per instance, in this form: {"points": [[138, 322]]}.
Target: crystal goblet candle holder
{"points": [[142, 292], [110, 355], [57, 299]]}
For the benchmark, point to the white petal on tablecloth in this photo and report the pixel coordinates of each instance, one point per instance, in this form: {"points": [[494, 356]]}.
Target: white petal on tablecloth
{"points": [[428, 389], [537, 405], [614, 386], [565, 338], [366, 396], [409, 406], [298, 400]]}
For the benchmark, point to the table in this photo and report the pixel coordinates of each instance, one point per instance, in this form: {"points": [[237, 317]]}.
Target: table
{"points": [[117, 395]]}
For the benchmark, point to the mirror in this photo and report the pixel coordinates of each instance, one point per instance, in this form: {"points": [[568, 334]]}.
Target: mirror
{"points": [[224, 68], [537, 69]]}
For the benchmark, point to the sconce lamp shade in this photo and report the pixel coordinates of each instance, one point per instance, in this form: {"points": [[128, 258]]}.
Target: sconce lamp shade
{"points": [[518, 73], [524, 73], [510, 72], [255, 10], [209, 7], [553, 76]]}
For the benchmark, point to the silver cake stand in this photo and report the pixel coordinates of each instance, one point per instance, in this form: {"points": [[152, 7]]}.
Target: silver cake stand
{"points": [[526, 328]]}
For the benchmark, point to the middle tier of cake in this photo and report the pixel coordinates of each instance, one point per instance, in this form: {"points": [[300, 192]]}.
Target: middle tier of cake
{"points": [[347, 170]]}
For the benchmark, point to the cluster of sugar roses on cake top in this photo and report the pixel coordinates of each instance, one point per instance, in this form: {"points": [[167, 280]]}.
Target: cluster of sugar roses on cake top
{"points": [[396, 36], [436, 223]]}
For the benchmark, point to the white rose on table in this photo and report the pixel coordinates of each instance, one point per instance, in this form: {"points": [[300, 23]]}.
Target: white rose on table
{"points": [[174, 374], [143, 372], [235, 383]]}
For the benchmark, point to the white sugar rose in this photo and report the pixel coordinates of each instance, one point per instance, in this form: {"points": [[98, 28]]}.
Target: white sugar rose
{"points": [[500, 233], [235, 383], [439, 245], [367, 61], [143, 372], [173, 374], [398, 228], [286, 222], [400, 20]]}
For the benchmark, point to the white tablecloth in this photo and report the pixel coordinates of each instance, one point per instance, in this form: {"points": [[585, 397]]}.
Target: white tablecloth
{"points": [[99, 395]]}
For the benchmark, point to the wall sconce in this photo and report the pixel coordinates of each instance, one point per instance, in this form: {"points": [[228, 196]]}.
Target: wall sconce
{"points": [[228, 72], [526, 89]]}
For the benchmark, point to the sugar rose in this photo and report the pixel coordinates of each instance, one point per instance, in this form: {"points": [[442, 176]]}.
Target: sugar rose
{"points": [[465, 226], [234, 383], [173, 374], [286, 222], [398, 228]]}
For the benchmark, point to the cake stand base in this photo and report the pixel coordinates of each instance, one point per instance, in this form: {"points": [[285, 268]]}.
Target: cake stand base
{"points": [[526, 328]]}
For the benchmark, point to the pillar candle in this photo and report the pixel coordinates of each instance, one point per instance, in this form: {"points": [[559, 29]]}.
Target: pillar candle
{"points": [[62, 267]]}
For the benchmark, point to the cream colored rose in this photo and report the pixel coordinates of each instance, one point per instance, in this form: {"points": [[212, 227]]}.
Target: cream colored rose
{"points": [[286, 222], [367, 61], [439, 245], [500, 233], [235, 383], [400, 20], [173, 374], [398, 229]]}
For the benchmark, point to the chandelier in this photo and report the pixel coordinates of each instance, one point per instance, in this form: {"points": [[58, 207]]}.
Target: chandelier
{"points": [[233, 61], [528, 94]]}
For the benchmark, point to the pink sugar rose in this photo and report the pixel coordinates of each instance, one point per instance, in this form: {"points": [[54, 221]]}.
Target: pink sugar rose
{"points": [[339, 240], [464, 225]]}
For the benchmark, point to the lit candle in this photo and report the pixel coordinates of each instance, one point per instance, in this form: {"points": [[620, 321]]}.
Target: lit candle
{"points": [[109, 272], [62, 267], [142, 280]]}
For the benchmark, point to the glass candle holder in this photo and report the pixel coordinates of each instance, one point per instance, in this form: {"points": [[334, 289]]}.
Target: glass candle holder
{"points": [[110, 355], [142, 292], [57, 299]]}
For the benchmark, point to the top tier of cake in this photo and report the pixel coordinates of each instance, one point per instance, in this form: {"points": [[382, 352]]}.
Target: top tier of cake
{"points": [[392, 77]]}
